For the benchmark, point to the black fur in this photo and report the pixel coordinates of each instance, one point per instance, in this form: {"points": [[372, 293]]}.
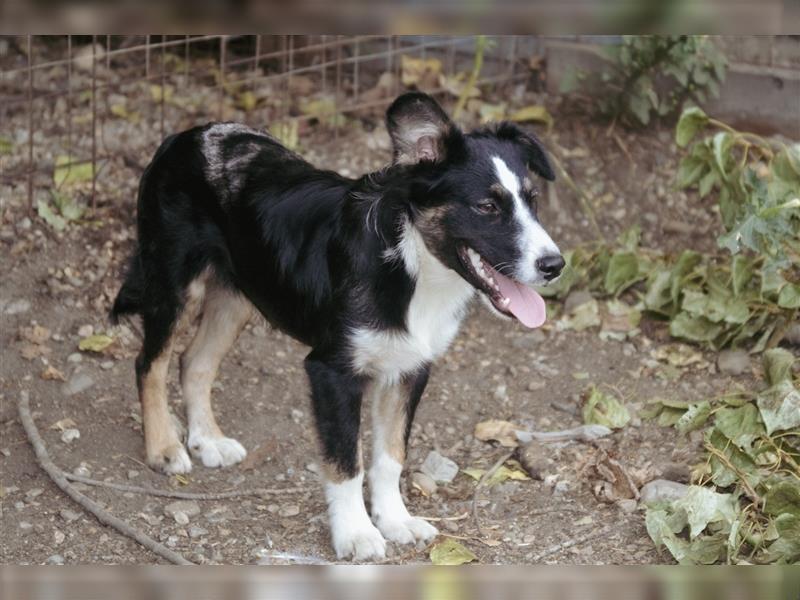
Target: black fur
{"points": [[307, 247]]}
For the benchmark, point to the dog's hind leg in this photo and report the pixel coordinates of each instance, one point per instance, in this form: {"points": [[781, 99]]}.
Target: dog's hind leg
{"points": [[336, 397], [225, 313], [162, 321], [393, 407]]}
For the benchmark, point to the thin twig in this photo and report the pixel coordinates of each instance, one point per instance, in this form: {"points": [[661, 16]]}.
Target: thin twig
{"points": [[58, 477], [751, 493], [569, 544], [481, 481], [183, 495], [585, 203]]}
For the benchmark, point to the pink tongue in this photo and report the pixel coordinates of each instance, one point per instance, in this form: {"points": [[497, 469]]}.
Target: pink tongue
{"points": [[525, 303]]}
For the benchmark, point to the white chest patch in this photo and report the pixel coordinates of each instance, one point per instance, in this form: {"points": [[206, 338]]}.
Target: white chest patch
{"points": [[434, 315]]}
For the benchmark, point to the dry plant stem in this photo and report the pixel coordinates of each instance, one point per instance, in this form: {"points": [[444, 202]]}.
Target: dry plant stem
{"points": [[492, 470], [57, 475], [748, 489], [569, 544], [183, 495], [585, 204]]}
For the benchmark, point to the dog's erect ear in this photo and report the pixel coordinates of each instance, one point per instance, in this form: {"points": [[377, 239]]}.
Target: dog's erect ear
{"points": [[419, 128], [535, 155]]}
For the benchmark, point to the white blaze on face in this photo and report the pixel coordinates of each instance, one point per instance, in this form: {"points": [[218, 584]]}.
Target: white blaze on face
{"points": [[534, 243]]}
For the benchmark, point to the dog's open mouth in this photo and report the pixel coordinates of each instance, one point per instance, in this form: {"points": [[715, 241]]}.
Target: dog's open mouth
{"points": [[509, 297]]}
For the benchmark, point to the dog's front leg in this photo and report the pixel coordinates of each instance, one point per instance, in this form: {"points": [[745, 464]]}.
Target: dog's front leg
{"points": [[336, 397], [393, 407]]}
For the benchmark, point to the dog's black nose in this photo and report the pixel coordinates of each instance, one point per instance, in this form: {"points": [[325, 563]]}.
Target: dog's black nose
{"points": [[550, 266]]}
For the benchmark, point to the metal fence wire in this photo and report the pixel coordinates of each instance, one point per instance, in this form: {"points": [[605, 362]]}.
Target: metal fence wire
{"points": [[74, 102]]}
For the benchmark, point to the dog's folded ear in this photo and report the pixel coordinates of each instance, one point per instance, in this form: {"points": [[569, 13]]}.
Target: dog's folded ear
{"points": [[535, 155], [419, 128]]}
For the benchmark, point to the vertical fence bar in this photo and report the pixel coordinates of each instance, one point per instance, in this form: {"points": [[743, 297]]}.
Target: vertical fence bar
{"points": [[338, 95], [186, 61], [147, 57], [163, 81], [290, 68], [356, 65], [94, 123], [322, 66], [30, 125], [222, 49], [69, 97]]}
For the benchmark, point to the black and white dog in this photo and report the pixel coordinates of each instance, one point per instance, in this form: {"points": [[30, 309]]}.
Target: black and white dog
{"points": [[374, 274]]}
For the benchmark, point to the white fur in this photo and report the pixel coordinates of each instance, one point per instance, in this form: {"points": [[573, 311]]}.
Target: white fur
{"points": [[388, 509], [352, 532], [534, 243], [434, 314], [216, 451]]}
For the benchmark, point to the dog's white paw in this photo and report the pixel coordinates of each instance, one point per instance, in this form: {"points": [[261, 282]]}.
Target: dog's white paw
{"points": [[172, 460], [408, 530], [363, 542], [216, 452]]}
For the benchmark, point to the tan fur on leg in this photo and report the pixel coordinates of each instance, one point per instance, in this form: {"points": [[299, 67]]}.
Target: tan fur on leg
{"points": [[224, 315]]}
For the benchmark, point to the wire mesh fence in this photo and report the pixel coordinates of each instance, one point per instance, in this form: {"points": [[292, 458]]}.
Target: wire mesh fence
{"points": [[78, 104]]}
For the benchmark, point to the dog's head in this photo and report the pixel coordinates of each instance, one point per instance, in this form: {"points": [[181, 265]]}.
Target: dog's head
{"points": [[474, 200]]}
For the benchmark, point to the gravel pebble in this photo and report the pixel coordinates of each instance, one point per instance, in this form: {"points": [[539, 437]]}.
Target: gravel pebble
{"points": [[190, 508], [662, 489], [439, 468], [733, 362], [79, 382], [424, 482], [18, 307]]}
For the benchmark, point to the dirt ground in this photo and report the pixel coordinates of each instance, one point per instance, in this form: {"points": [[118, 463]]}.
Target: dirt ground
{"points": [[495, 370]]}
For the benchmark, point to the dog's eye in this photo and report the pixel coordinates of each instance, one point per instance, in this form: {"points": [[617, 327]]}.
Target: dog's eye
{"points": [[487, 207]]}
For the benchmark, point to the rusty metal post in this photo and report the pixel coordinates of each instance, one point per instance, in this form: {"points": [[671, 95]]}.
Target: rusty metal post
{"points": [[30, 125], [163, 83], [222, 49], [94, 124]]}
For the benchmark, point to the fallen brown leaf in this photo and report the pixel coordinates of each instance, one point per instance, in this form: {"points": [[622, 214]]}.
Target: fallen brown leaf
{"points": [[53, 374], [500, 431]]}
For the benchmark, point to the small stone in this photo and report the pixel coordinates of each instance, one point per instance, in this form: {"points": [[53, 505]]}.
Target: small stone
{"points": [[181, 518], [85, 330], [82, 470], [733, 362], [534, 459], [133, 474], [500, 392], [425, 483], [25, 527], [561, 487], [189, 507], [297, 415], [107, 364], [660, 490], [79, 382], [55, 559], [627, 505], [70, 435], [69, 515], [59, 537], [18, 307], [291, 510], [75, 357], [439, 468], [574, 299], [196, 532], [33, 493]]}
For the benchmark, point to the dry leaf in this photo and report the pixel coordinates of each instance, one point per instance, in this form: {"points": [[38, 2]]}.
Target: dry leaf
{"points": [[64, 424], [35, 334], [535, 113], [501, 431], [95, 343], [422, 73], [611, 480], [30, 351], [450, 552], [53, 374]]}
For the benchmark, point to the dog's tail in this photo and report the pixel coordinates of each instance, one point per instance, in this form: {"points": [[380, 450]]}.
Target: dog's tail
{"points": [[131, 295]]}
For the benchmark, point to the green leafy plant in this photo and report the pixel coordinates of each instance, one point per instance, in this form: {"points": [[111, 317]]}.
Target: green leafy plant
{"points": [[746, 504], [656, 74]]}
